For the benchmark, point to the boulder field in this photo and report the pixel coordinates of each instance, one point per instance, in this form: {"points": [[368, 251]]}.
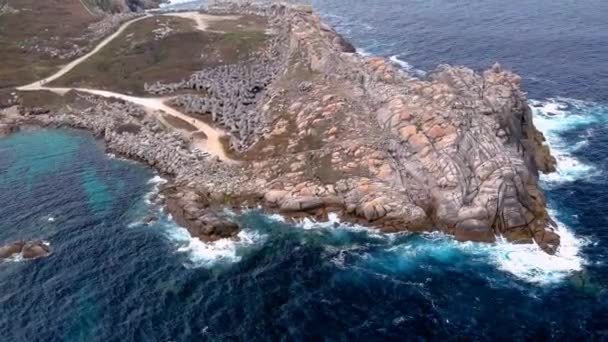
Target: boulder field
{"points": [[314, 128]]}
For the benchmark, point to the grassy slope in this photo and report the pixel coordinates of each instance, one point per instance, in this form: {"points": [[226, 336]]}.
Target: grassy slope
{"points": [[137, 57], [53, 23]]}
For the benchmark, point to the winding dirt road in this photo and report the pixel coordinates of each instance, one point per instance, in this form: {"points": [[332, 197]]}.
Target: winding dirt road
{"points": [[213, 144]]}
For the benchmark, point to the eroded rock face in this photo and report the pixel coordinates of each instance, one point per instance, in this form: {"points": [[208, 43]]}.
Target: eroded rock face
{"points": [[457, 151], [28, 249], [325, 130], [7, 129], [202, 221]]}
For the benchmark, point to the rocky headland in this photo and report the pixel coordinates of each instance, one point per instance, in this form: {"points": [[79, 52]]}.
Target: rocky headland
{"points": [[313, 128]]}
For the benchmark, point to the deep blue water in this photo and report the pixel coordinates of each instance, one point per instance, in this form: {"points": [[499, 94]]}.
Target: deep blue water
{"points": [[112, 278]]}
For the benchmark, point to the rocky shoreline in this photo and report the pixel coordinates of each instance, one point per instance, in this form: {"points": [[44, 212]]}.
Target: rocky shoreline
{"points": [[28, 250], [318, 129]]}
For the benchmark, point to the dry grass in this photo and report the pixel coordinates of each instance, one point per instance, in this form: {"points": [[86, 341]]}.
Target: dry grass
{"points": [[137, 56], [52, 101], [50, 23], [243, 23]]}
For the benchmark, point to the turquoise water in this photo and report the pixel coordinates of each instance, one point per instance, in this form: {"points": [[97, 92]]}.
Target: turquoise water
{"points": [[112, 278]]}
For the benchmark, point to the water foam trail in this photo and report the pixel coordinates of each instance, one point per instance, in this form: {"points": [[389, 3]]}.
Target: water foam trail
{"points": [[157, 182], [209, 254], [364, 52], [554, 117], [334, 222], [403, 64], [527, 262], [200, 253], [407, 66]]}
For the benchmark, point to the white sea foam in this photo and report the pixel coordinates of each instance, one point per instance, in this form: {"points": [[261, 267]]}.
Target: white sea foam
{"points": [[555, 117], [277, 218], [334, 222], [405, 65], [14, 258], [208, 254], [527, 262], [363, 52], [530, 263], [157, 181]]}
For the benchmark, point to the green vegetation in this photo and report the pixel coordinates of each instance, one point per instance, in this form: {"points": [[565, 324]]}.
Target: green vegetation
{"points": [[143, 55], [243, 23], [27, 34]]}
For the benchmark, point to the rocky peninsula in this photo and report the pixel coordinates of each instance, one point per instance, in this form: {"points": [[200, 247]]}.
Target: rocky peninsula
{"points": [[309, 127]]}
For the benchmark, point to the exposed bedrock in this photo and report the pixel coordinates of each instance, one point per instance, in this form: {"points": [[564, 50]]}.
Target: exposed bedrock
{"points": [[457, 151], [130, 131], [28, 249], [320, 129], [194, 212]]}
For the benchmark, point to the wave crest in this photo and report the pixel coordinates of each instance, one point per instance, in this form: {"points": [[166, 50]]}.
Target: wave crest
{"points": [[554, 118]]}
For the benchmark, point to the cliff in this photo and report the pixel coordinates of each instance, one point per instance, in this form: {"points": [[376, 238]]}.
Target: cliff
{"points": [[456, 152]]}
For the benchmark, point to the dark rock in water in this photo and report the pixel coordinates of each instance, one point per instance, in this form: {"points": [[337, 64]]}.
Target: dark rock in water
{"points": [[7, 129], [192, 212], [214, 226], [28, 249], [11, 249], [150, 219], [35, 250]]}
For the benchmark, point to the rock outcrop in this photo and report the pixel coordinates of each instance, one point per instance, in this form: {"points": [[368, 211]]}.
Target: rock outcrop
{"points": [[457, 151], [320, 129], [194, 211], [28, 249]]}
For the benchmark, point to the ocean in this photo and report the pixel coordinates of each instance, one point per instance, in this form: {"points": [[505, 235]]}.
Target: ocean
{"points": [[111, 277]]}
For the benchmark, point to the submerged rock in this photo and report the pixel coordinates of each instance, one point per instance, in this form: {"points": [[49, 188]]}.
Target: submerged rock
{"points": [[11, 249], [7, 129], [193, 212], [28, 249]]}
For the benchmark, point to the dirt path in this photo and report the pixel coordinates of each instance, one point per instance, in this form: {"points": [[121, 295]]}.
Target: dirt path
{"points": [[213, 144], [70, 66]]}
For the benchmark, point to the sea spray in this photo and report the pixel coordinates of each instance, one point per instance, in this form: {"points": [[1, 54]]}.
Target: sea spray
{"points": [[209, 254], [527, 262], [555, 117]]}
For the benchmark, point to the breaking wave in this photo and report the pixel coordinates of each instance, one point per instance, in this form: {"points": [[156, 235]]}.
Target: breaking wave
{"points": [[199, 253], [209, 254], [559, 116], [407, 252], [403, 64]]}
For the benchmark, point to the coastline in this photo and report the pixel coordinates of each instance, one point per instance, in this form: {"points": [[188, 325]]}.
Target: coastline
{"points": [[368, 196]]}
